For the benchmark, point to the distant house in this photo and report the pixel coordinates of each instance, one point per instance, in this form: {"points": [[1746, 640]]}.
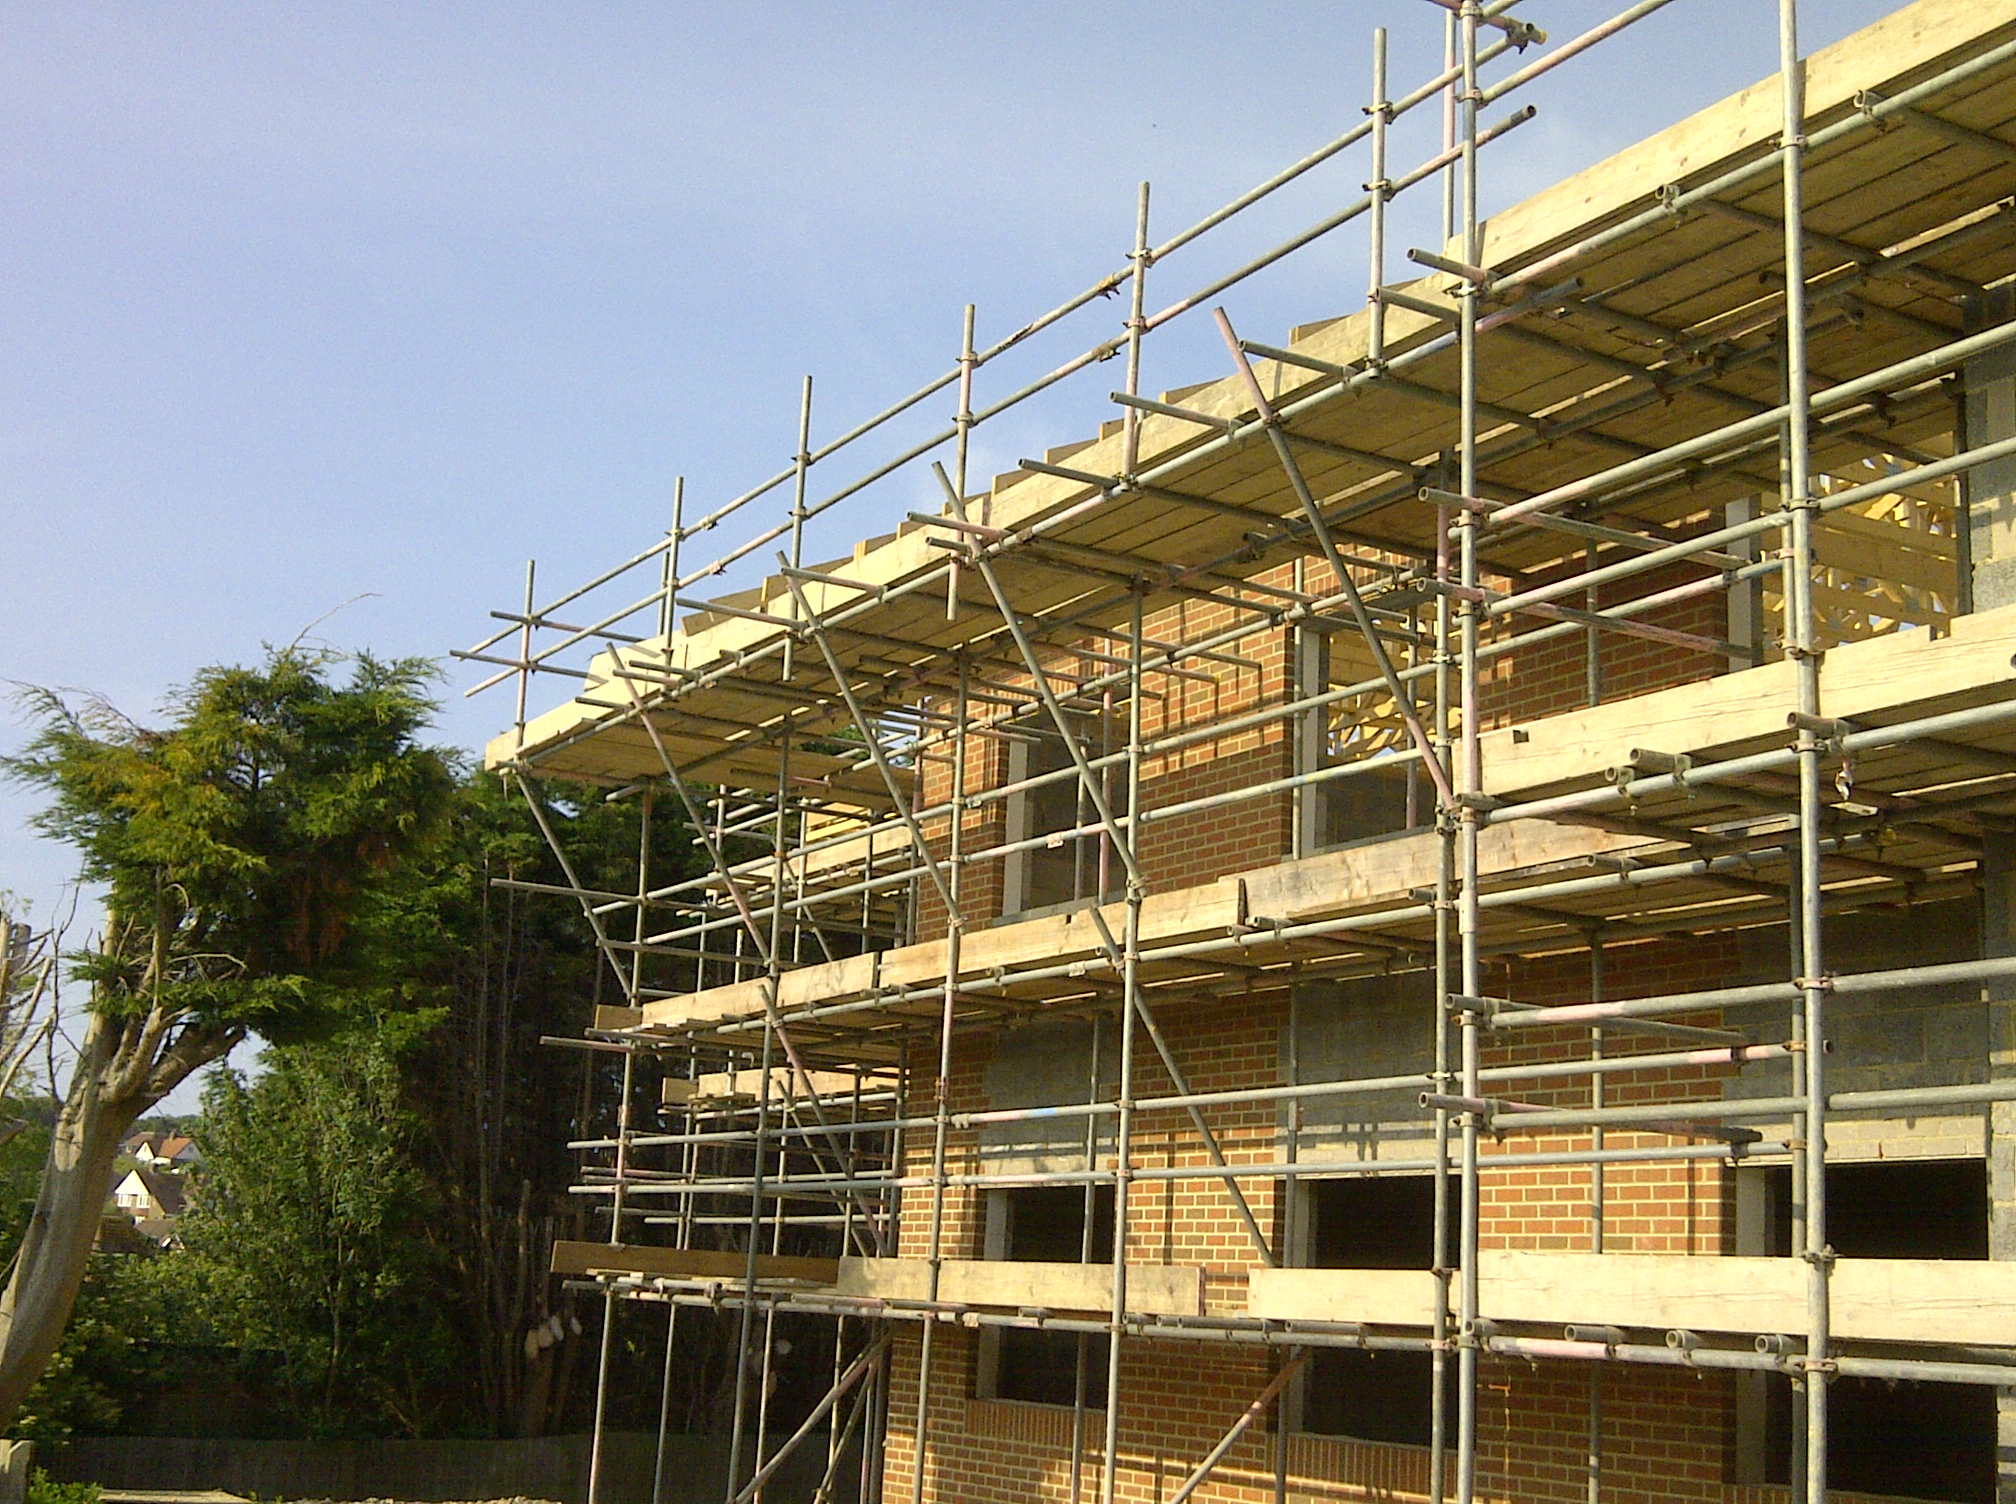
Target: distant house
{"points": [[150, 1195], [119, 1233], [162, 1151]]}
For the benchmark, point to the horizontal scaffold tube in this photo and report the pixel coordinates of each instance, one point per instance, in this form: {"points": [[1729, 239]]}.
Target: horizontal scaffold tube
{"points": [[1914, 1370], [809, 1187], [1771, 521], [1702, 773], [1988, 968], [1900, 1100], [1257, 1331], [1304, 1091]]}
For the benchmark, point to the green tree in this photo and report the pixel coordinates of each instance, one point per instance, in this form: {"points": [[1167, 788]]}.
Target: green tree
{"points": [[237, 846], [313, 1235], [504, 967]]}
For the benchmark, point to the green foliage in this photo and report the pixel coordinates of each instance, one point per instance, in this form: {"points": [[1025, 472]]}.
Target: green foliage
{"points": [[42, 1489], [169, 1122], [313, 1236], [243, 838], [21, 1171], [76, 1394], [367, 1246], [505, 967]]}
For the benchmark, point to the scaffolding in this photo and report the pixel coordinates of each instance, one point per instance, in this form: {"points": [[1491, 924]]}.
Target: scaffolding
{"points": [[1553, 439]]}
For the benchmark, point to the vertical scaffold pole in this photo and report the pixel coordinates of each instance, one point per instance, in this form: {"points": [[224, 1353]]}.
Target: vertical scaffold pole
{"points": [[779, 1214], [669, 572], [1137, 325], [609, 1290], [1445, 979], [525, 652], [1805, 650], [873, 1450], [849, 1239], [942, 1092], [637, 930], [1450, 25], [1592, 642], [1291, 1222], [780, 867], [962, 424], [1130, 987], [1445, 986], [1596, 1186], [664, 1404], [1091, 1202], [1375, 337], [963, 421], [1471, 784], [636, 993], [1123, 1130]]}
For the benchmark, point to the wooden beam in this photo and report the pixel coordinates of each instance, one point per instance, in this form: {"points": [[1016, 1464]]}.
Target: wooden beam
{"points": [[686, 1263], [1152, 1289], [1381, 1297], [1883, 674], [1958, 1301]]}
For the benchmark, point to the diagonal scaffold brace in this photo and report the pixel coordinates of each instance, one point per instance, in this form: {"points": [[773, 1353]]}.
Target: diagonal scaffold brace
{"points": [[697, 818], [1277, 433]]}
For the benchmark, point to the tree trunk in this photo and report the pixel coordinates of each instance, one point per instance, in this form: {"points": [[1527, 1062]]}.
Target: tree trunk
{"points": [[122, 1070]]}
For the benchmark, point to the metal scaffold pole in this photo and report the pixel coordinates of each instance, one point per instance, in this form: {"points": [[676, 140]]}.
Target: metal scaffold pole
{"points": [[1130, 983], [608, 1341], [1804, 648], [952, 892], [1469, 781], [780, 874], [1455, 563]]}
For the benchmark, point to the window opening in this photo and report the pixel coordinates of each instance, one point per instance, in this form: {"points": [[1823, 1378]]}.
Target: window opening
{"points": [[1926, 1441], [1372, 1222], [1360, 729], [1068, 869], [1045, 1224]]}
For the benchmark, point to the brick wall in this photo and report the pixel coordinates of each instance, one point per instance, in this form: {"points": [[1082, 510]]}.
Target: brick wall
{"points": [[1179, 852], [1550, 677], [1665, 1434], [1672, 1207]]}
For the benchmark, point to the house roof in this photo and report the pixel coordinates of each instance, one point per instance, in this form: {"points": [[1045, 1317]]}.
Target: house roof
{"points": [[167, 1190], [169, 1146]]}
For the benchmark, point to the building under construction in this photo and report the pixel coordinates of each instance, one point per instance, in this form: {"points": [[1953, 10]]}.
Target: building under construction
{"points": [[1429, 915]]}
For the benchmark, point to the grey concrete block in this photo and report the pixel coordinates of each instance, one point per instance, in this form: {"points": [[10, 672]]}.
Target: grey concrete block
{"points": [[1957, 1032], [1880, 1038]]}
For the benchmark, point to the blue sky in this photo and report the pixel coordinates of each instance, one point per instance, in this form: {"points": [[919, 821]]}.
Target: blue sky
{"points": [[306, 303]]}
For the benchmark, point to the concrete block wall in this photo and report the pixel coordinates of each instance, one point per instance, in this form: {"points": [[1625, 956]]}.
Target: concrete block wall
{"points": [[1381, 1026], [1667, 1436]]}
